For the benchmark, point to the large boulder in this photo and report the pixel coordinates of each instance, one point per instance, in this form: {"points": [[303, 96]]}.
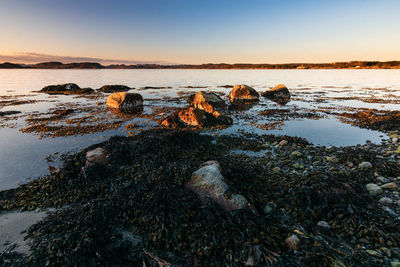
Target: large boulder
{"points": [[114, 88], [66, 89], [125, 102], [208, 182], [209, 102], [243, 93], [280, 91], [194, 117]]}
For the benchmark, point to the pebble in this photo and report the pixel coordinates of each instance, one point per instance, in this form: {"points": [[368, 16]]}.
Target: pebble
{"points": [[389, 186], [395, 140], [374, 189], [374, 253], [365, 165], [390, 211], [324, 225], [297, 154], [383, 179], [332, 159], [283, 143], [386, 201], [293, 242], [276, 169]]}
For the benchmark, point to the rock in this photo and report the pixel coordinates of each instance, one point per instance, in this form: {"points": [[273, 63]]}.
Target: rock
{"points": [[391, 185], [209, 182], [278, 92], [383, 179], [98, 155], [283, 143], [276, 169], [243, 93], [374, 253], [125, 102], [297, 154], [66, 89], [293, 242], [324, 225], [209, 102], [365, 165], [114, 88], [194, 117], [374, 189], [395, 264], [386, 201], [332, 159], [9, 112], [269, 207], [395, 140]]}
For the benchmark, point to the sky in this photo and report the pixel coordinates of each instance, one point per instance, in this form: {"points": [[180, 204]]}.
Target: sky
{"points": [[196, 32]]}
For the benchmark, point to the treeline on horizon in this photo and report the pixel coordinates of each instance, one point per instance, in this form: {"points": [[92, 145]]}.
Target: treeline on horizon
{"points": [[94, 65]]}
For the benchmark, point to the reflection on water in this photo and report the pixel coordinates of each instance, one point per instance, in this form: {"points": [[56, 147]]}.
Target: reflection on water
{"points": [[317, 95]]}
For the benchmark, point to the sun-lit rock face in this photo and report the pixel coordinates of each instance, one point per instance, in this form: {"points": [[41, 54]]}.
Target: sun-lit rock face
{"points": [[192, 116], [243, 93], [209, 102], [125, 102]]}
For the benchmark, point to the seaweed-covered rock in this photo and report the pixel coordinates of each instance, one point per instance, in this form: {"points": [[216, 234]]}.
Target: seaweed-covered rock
{"points": [[279, 92], [114, 88], [209, 102], [243, 93], [194, 117], [209, 182], [66, 89], [125, 102]]}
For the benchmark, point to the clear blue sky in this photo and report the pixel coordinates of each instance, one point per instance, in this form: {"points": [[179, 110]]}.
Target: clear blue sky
{"points": [[202, 31]]}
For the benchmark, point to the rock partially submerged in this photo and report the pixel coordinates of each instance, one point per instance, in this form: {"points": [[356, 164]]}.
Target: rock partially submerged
{"points": [[209, 102], [10, 112], [194, 117], [125, 102], [243, 93], [114, 88], [66, 89], [279, 94], [209, 182]]}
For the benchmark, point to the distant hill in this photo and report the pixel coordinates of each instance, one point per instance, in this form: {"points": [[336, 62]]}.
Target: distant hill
{"points": [[94, 65]]}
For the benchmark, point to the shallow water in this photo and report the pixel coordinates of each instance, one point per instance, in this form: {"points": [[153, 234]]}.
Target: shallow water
{"points": [[23, 155]]}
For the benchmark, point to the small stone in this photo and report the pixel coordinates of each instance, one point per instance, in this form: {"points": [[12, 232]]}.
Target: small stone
{"points": [[332, 159], [383, 179], [293, 242], [374, 189], [374, 253], [389, 186], [98, 155], [297, 154], [269, 207], [386, 201], [395, 140], [283, 143], [323, 225], [276, 169], [365, 165]]}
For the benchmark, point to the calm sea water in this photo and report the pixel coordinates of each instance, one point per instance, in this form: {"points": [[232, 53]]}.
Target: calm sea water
{"points": [[22, 156]]}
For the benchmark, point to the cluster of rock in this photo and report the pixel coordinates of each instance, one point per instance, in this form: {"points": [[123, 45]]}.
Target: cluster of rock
{"points": [[66, 89], [74, 89], [205, 111]]}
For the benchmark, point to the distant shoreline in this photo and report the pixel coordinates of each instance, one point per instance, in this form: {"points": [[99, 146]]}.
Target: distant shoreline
{"points": [[94, 65]]}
